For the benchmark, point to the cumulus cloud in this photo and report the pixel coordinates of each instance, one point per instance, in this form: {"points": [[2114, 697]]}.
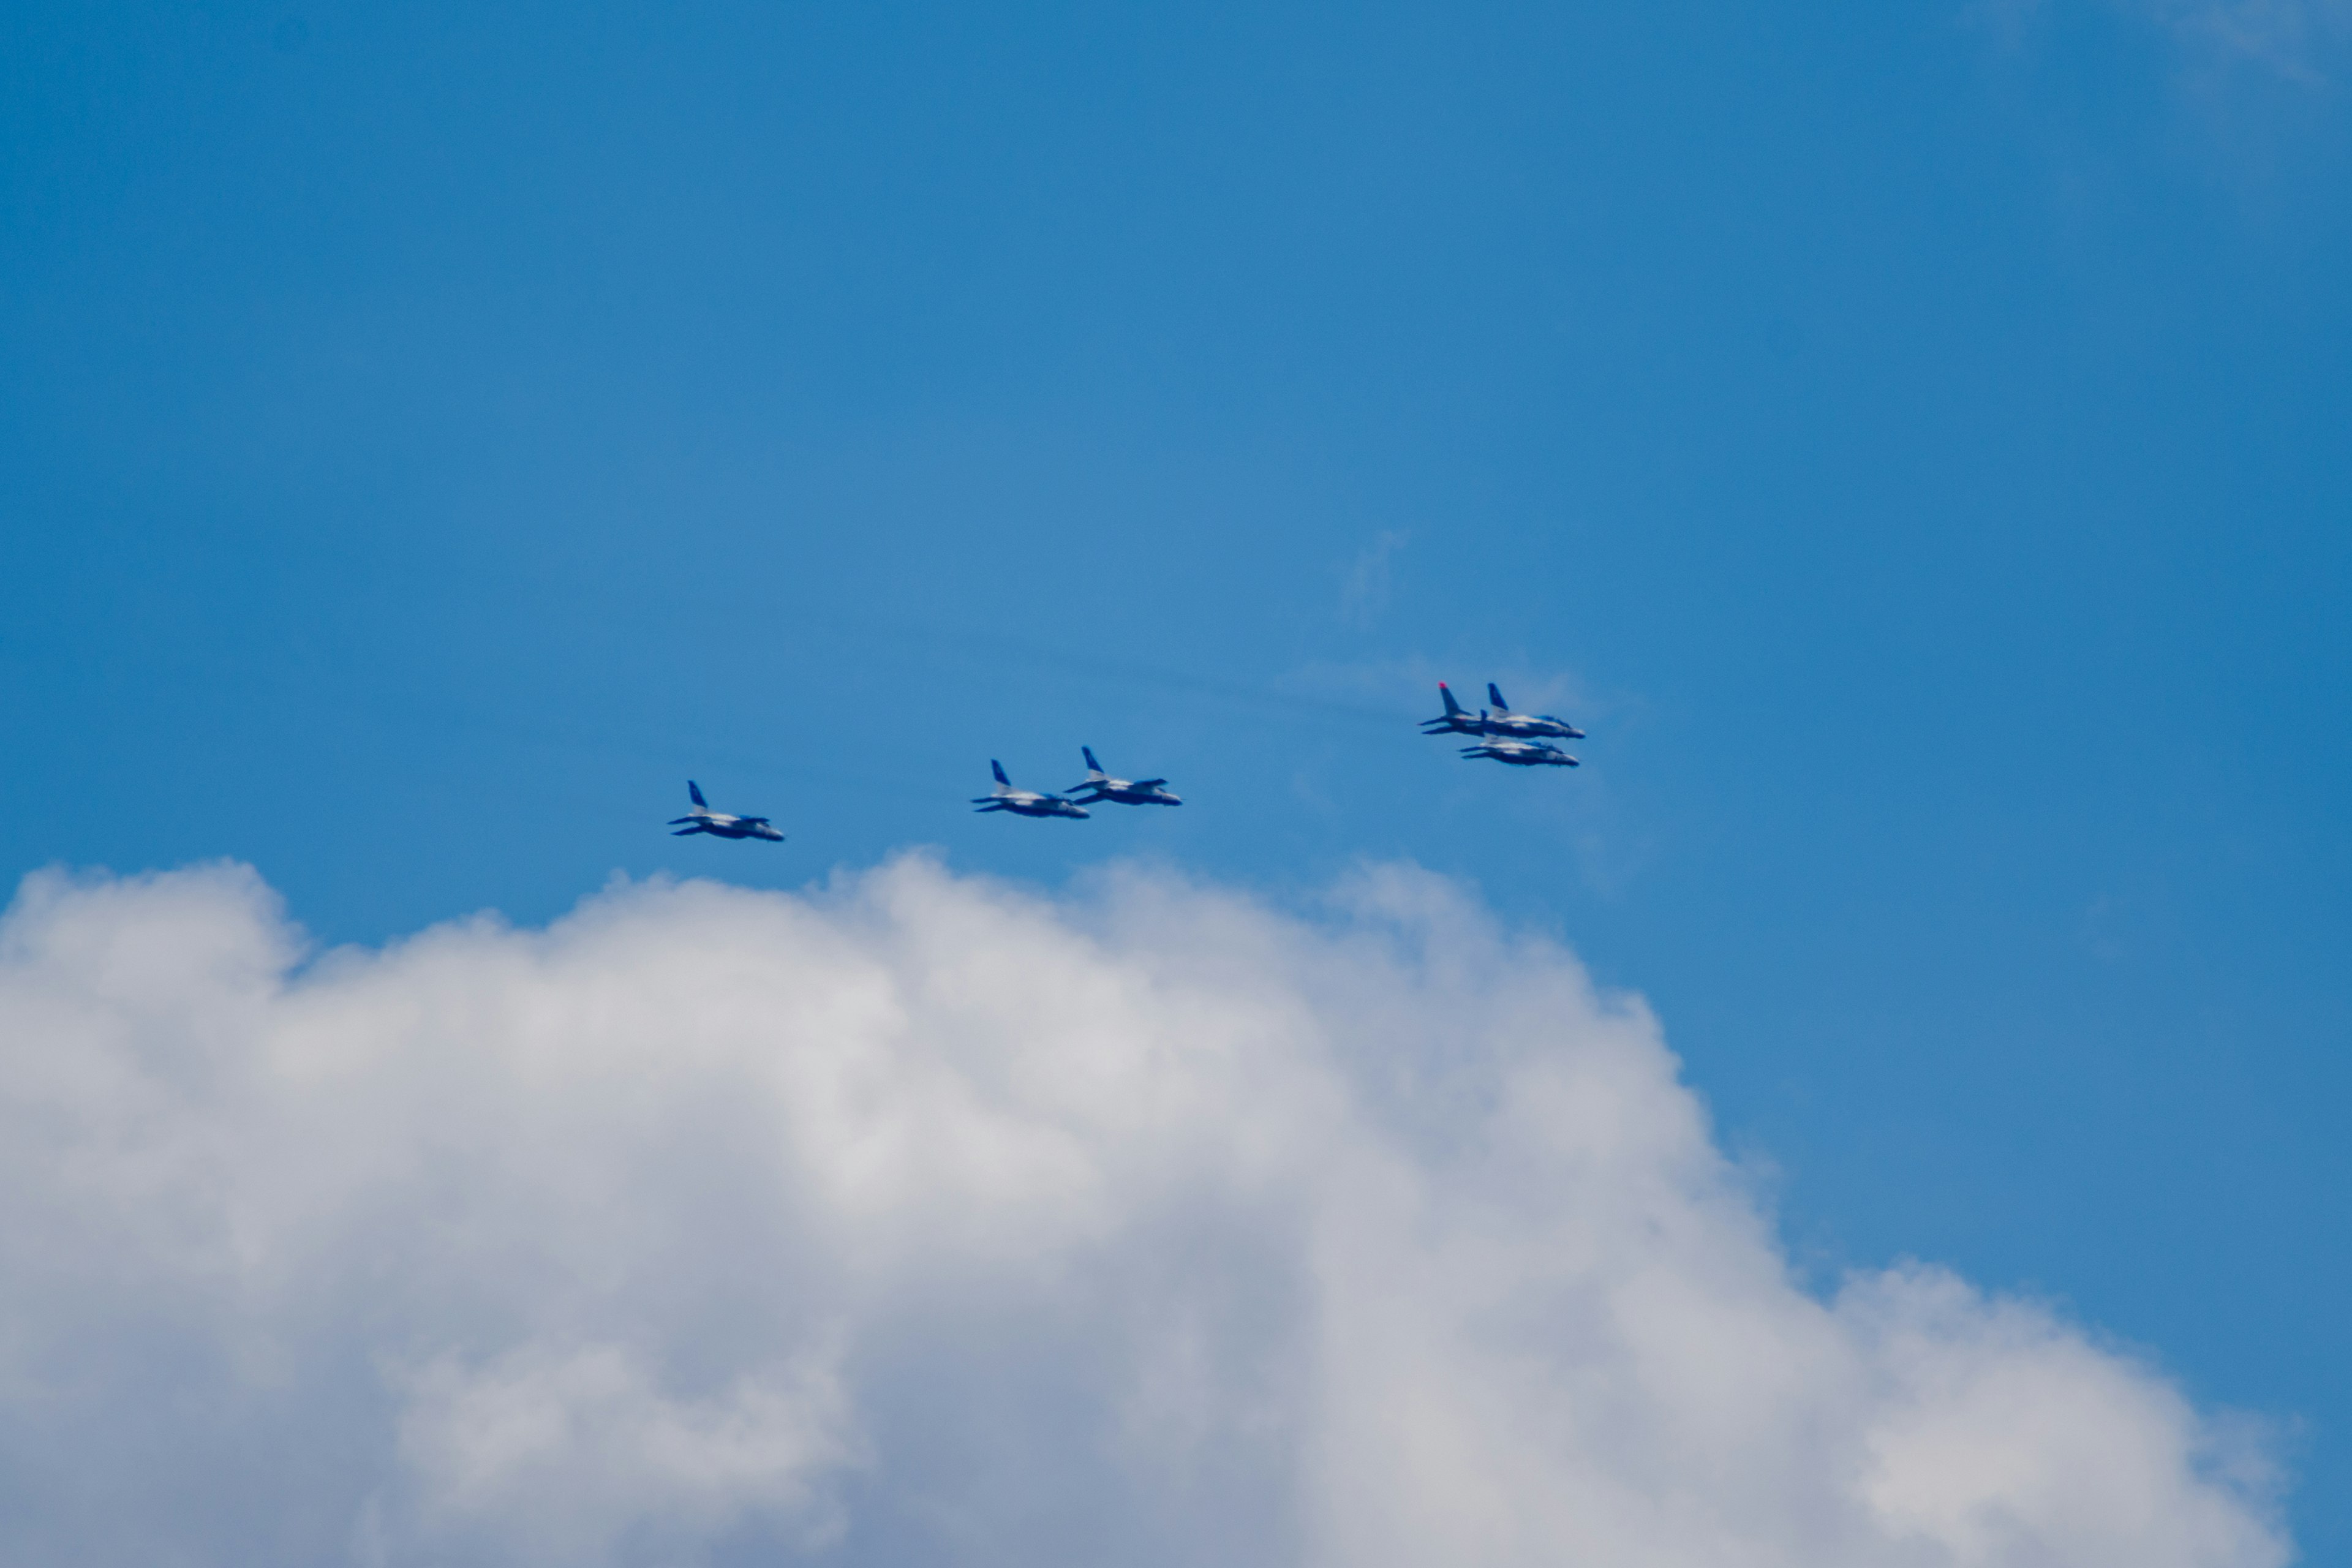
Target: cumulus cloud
{"points": [[921, 1219]]}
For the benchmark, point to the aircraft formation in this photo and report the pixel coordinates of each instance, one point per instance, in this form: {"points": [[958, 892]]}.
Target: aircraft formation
{"points": [[1503, 734], [1522, 740]]}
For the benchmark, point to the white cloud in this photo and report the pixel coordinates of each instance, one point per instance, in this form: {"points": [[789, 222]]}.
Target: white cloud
{"points": [[924, 1220], [573, 1448]]}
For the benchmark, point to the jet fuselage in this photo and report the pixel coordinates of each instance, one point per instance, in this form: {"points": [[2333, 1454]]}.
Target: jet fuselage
{"points": [[1498, 720], [1523, 753], [1029, 803], [1124, 793], [718, 824], [1530, 726]]}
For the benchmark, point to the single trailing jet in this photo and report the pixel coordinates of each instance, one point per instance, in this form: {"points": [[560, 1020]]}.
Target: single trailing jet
{"points": [[1523, 753], [1126, 791], [718, 823], [1025, 802], [1501, 721]]}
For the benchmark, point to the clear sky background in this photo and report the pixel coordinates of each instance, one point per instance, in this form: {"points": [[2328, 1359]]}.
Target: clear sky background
{"points": [[1915, 441]]}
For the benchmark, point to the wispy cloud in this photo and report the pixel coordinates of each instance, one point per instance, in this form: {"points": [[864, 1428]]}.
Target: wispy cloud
{"points": [[2293, 39], [922, 1220], [1364, 588]]}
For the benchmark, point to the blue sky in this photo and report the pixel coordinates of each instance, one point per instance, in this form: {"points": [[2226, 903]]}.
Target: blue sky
{"points": [[1911, 439]]}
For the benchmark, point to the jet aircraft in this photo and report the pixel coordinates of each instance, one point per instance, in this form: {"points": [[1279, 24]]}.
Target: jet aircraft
{"points": [[1456, 720], [1126, 791], [718, 823], [1523, 753], [1501, 721], [1025, 802]]}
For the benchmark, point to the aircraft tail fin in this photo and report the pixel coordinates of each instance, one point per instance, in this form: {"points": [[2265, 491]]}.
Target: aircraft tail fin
{"points": [[1092, 765], [1451, 707], [1496, 698], [694, 792], [998, 769]]}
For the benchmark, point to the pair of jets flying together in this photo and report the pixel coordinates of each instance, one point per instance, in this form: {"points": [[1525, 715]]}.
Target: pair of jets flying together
{"points": [[1522, 740], [1099, 786]]}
